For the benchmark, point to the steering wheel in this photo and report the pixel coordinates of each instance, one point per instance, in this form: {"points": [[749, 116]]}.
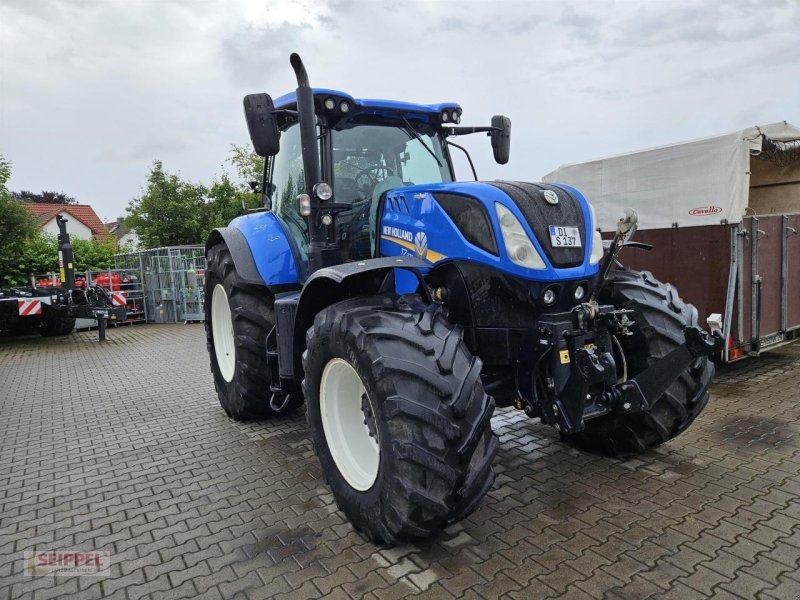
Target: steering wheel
{"points": [[372, 180]]}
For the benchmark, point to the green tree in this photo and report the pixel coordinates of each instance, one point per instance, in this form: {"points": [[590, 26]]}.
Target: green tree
{"points": [[170, 211], [44, 197], [94, 254], [39, 255], [225, 201], [247, 163], [16, 226]]}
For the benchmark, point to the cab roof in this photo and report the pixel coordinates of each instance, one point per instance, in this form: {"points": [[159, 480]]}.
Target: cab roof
{"points": [[289, 101]]}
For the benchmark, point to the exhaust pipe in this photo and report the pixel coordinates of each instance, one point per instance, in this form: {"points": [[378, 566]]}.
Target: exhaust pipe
{"points": [[308, 125], [323, 250]]}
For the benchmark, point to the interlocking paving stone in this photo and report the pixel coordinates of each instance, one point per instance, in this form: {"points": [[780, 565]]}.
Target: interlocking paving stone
{"points": [[123, 447]]}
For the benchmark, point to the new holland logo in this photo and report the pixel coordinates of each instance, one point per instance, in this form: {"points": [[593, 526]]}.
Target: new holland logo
{"points": [[551, 197], [421, 244], [396, 232]]}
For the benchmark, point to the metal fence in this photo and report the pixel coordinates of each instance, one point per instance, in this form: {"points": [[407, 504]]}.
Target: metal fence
{"points": [[172, 280]]}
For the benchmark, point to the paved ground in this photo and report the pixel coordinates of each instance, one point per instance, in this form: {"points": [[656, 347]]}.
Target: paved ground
{"points": [[124, 448]]}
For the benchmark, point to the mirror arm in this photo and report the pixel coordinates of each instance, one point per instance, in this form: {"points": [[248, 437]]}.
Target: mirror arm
{"points": [[285, 112], [468, 130]]}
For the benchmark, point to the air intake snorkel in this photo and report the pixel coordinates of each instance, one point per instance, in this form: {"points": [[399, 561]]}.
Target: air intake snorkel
{"points": [[323, 250]]}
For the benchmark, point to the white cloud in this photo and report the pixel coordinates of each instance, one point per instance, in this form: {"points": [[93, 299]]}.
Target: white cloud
{"points": [[92, 91]]}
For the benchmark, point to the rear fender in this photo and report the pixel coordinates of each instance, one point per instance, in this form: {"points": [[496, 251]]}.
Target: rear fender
{"points": [[262, 251]]}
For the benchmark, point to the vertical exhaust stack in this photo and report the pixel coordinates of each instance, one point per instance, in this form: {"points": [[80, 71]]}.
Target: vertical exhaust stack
{"points": [[323, 250]]}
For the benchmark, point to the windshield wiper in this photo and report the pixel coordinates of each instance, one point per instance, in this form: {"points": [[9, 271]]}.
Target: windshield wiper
{"points": [[411, 131]]}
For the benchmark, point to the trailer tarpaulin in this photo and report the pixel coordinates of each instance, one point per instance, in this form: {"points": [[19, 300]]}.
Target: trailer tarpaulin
{"points": [[694, 183]]}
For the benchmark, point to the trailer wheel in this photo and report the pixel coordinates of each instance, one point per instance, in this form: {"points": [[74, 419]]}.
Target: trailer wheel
{"points": [[53, 323], [660, 316], [399, 417], [238, 318]]}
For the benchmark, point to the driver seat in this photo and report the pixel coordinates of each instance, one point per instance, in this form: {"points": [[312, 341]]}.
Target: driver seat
{"points": [[390, 183]]}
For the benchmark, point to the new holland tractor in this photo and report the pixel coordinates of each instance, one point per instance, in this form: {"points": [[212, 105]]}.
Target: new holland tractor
{"points": [[402, 306]]}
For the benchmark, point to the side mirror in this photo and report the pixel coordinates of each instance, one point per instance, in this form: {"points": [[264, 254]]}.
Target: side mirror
{"points": [[501, 138], [261, 123]]}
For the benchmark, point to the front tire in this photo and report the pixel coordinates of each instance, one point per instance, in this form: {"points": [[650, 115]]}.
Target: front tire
{"points": [[399, 417], [238, 318], [660, 316]]}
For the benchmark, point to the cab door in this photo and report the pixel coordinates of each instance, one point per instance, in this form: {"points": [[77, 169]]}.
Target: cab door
{"points": [[287, 180]]}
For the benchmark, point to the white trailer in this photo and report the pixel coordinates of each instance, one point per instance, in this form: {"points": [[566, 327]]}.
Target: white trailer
{"points": [[724, 215]]}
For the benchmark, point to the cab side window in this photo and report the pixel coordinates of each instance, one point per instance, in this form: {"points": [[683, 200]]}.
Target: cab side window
{"points": [[288, 180]]}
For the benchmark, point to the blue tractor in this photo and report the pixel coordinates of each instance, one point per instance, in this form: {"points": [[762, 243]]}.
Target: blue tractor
{"points": [[402, 306]]}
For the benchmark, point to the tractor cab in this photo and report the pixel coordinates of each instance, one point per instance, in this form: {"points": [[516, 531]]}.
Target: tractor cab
{"points": [[366, 147]]}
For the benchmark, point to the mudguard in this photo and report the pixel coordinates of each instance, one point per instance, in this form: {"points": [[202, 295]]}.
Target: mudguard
{"points": [[261, 249], [339, 282]]}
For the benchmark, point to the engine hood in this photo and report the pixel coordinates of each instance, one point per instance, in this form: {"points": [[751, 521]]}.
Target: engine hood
{"points": [[458, 220]]}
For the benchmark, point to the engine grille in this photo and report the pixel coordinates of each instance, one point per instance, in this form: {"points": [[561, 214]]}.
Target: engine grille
{"points": [[540, 214]]}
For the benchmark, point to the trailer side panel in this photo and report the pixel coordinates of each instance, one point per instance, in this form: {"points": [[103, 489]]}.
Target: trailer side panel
{"points": [[695, 259], [793, 272]]}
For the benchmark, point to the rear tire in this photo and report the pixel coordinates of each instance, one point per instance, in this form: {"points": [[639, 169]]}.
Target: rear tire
{"points": [[241, 316], [422, 403], [660, 316], [53, 324]]}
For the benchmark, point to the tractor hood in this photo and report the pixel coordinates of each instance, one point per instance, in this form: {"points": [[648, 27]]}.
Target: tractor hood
{"points": [[462, 221]]}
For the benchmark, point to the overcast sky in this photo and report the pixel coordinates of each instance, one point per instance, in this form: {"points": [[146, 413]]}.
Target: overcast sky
{"points": [[92, 91]]}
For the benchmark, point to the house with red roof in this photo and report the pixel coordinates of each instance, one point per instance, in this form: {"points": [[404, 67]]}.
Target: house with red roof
{"points": [[83, 222]]}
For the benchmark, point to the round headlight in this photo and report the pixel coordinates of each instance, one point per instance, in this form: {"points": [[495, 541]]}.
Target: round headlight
{"points": [[344, 106], [327, 219], [323, 191], [549, 296], [580, 293], [455, 117], [330, 103], [521, 252], [507, 220], [445, 116]]}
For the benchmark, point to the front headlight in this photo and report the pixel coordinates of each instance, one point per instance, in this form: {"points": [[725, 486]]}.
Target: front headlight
{"points": [[518, 245], [597, 240]]}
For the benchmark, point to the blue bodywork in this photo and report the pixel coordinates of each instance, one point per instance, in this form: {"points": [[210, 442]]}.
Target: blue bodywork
{"points": [[445, 241], [370, 105], [272, 251]]}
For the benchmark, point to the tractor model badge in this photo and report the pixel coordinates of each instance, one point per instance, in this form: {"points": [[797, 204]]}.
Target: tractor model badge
{"points": [[421, 244], [551, 197]]}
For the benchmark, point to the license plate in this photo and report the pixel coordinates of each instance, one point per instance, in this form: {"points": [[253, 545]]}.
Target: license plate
{"points": [[565, 237]]}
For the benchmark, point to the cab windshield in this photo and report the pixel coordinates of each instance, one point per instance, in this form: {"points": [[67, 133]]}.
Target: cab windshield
{"points": [[370, 158]]}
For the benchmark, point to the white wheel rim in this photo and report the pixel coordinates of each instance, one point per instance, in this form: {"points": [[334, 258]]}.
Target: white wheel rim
{"points": [[222, 330], [355, 452]]}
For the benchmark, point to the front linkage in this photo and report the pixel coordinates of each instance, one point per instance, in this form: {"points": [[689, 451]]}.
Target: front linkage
{"points": [[582, 378]]}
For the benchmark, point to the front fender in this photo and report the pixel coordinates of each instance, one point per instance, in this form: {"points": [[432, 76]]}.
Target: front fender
{"points": [[339, 282]]}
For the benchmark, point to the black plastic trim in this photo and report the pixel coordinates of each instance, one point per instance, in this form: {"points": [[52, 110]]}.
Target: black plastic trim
{"points": [[471, 219]]}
